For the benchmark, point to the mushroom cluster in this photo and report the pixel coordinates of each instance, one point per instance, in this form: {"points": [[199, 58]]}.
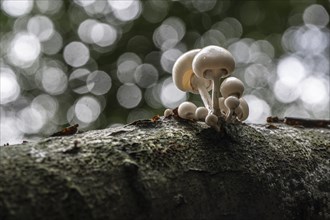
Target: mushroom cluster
{"points": [[201, 70]]}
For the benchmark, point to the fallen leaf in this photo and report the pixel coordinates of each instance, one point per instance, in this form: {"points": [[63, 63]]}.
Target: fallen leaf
{"points": [[66, 131]]}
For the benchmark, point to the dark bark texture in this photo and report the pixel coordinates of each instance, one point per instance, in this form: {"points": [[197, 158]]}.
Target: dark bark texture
{"points": [[170, 169]]}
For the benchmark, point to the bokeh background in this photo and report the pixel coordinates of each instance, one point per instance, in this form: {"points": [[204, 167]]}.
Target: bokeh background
{"points": [[103, 63]]}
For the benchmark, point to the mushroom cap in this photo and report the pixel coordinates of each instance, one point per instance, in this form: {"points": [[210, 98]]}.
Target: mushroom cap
{"points": [[245, 109], [168, 112], [211, 120], [232, 86], [215, 60], [232, 102], [187, 110], [183, 75], [201, 113]]}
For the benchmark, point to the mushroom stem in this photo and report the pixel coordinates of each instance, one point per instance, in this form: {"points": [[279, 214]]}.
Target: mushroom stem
{"points": [[229, 115], [232, 104], [205, 97], [221, 81], [215, 96]]}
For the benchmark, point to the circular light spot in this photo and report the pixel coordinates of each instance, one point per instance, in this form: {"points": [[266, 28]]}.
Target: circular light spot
{"points": [[236, 26], [204, 6], [129, 95], [78, 81], [256, 75], [155, 11], [87, 109], [30, 120], [9, 132], [49, 6], [125, 71], [98, 8], [103, 34], [24, 49], [229, 27], [240, 51], [129, 56], [126, 65], [98, 82], [146, 75], [317, 15], [41, 26], [168, 59], [45, 103], [212, 37], [171, 96], [290, 37], [53, 45], [263, 46], [85, 29], [84, 3], [76, 54], [285, 93], [291, 71], [126, 10], [54, 81], [314, 91], [152, 96], [169, 33], [312, 40], [120, 5], [259, 109], [17, 8], [10, 89]]}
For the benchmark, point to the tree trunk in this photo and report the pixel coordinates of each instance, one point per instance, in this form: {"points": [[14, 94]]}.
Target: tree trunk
{"points": [[170, 169]]}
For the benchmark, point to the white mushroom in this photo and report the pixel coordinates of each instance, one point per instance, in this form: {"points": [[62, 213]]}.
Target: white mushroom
{"points": [[232, 86], [242, 111], [231, 103], [201, 113], [212, 120], [187, 110], [185, 79], [168, 112], [213, 63], [232, 89]]}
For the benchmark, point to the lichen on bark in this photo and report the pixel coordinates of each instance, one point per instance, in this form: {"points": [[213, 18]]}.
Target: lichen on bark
{"points": [[170, 169]]}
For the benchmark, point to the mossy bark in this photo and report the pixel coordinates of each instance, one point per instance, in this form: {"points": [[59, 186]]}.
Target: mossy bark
{"points": [[170, 169]]}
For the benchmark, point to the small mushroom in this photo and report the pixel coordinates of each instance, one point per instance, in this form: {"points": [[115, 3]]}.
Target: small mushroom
{"points": [[168, 112], [187, 110], [201, 113], [231, 89], [185, 79], [231, 103], [232, 86], [212, 120], [213, 63], [242, 111]]}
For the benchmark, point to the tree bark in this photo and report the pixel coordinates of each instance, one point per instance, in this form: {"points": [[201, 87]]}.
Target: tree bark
{"points": [[170, 169]]}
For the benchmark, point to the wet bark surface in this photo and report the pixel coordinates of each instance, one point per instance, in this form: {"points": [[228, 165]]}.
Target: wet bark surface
{"points": [[170, 169]]}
